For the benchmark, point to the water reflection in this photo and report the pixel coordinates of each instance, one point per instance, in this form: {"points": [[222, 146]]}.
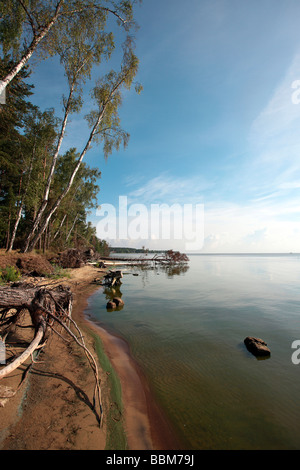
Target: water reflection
{"points": [[170, 270], [112, 293], [143, 271]]}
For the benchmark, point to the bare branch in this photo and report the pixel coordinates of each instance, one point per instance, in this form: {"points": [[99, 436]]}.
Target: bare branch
{"points": [[29, 17], [42, 303]]}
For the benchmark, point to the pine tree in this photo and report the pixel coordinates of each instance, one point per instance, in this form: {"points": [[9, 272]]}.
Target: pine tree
{"points": [[12, 122]]}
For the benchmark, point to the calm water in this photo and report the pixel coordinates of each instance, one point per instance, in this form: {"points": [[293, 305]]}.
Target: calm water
{"points": [[186, 329]]}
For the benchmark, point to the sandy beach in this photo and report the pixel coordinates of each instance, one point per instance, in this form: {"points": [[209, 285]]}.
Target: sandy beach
{"points": [[52, 410]]}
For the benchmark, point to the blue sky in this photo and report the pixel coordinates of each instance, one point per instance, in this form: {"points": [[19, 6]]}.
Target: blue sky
{"points": [[217, 123]]}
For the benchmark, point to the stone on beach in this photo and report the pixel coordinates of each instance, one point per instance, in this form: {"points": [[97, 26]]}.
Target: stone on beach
{"points": [[257, 346]]}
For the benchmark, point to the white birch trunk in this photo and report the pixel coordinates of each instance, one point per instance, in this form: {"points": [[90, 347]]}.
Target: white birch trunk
{"points": [[43, 227], [44, 204], [31, 49], [71, 229]]}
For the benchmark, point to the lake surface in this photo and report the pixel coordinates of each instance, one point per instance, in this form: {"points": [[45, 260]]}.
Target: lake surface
{"points": [[186, 330]]}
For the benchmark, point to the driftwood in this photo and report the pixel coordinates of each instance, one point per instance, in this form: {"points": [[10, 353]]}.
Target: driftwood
{"points": [[168, 258], [112, 278], [47, 307]]}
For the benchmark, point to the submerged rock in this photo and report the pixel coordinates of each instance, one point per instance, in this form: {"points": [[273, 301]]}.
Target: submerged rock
{"points": [[118, 301], [111, 305], [257, 346]]}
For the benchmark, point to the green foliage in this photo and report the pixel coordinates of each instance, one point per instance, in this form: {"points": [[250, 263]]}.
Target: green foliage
{"points": [[12, 144], [59, 273], [12, 20], [50, 27], [107, 95], [9, 274], [17, 92]]}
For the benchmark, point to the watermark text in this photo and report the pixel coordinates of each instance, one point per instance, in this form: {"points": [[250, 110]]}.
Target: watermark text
{"points": [[2, 352], [183, 223], [296, 354], [296, 94], [2, 93]]}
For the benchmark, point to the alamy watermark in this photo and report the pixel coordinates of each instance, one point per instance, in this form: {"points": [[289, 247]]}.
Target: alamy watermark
{"points": [[296, 100], [2, 93], [296, 354], [2, 352], [296, 94], [155, 222]]}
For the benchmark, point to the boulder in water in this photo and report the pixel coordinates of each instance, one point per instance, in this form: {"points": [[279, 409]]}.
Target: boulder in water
{"points": [[111, 305], [257, 346], [118, 301]]}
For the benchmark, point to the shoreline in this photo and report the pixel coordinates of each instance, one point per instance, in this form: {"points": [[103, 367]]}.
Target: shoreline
{"points": [[146, 426], [65, 420]]}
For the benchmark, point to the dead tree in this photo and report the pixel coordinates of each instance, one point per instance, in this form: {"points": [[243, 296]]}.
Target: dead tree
{"points": [[171, 257], [47, 308]]}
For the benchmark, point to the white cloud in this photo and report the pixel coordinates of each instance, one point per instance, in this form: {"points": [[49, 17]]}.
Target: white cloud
{"points": [[254, 227], [264, 224], [168, 189], [290, 185], [275, 132], [258, 205]]}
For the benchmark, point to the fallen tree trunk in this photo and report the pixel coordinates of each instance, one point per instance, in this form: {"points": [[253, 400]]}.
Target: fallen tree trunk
{"points": [[22, 296], [25, 355], [46, 307], [39, 302]]}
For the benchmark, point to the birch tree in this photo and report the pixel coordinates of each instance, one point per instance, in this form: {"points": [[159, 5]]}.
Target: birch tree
{"points": [[105, 127], [81, 198], [77, 32], [82, 49], [26, 26], [40, 130]]}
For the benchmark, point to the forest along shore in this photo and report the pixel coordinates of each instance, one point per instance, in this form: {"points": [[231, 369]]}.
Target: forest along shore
{"points": [[52, 408]]}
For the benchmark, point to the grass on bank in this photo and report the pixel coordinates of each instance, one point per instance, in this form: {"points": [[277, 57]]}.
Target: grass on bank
{"points": [[58, 272], [12, 274]]}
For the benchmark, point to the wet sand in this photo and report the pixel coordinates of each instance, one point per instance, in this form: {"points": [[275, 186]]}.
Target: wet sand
{"points": [[146, 426]]}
